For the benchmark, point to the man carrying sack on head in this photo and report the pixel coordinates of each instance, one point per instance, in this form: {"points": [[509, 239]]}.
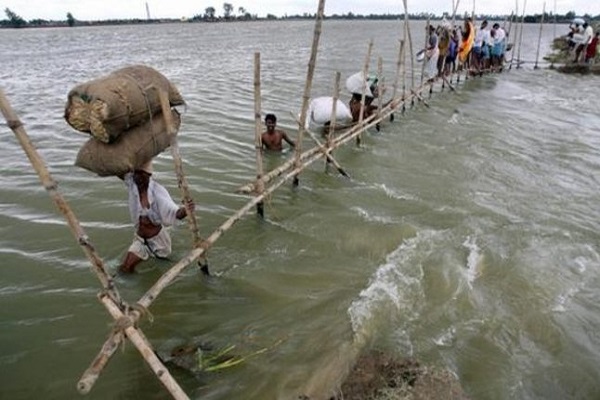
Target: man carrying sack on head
{"points": [[152, 210]]}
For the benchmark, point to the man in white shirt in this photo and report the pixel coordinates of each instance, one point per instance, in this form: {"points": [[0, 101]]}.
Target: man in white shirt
{"points": [[588, 34], [480, 45], [152, 210]]}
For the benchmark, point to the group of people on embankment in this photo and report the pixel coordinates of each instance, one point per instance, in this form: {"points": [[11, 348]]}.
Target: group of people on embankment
{"points": [[583, 44], [449, 48]]}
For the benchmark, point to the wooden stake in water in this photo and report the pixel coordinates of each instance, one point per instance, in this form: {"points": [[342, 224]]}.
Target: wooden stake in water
{"points": [[410, 45], [521, 35], [397, 75], [181, 180], [537, 53], [309, 77], [425, 60], [260, 186], [380, 84], [365, 72], [333, 119]]}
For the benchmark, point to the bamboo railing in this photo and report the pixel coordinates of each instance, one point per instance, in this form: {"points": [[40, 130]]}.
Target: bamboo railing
{"points": [[127, 316]]}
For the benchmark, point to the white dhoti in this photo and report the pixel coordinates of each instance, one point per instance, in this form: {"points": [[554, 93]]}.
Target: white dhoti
{"points": [[431, 70]]}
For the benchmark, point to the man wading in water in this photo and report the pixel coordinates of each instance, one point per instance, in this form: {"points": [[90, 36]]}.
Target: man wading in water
{"points": [[152, 210], [272, 139]]}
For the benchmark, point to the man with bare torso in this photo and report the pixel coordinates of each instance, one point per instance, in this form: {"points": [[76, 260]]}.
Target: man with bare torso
{"points": [[272, 139], [152, 210]]}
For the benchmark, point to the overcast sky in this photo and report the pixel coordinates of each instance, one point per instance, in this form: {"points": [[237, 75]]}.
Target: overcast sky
{"points": [[125, 9]]}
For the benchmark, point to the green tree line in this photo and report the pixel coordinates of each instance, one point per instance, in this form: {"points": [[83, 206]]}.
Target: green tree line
{"points": [[13, 20]]}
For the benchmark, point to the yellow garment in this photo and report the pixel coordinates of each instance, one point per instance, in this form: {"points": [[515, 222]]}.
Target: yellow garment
{"points": [[466, 44], [444, 42]]}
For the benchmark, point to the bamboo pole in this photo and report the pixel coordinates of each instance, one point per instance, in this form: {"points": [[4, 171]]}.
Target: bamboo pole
{"points": [[537, 53], [516, 34], [404, 75], [308, 85], [380, 85], [510, 21], [136, 337], [454, 10], [333, 119], [398, 69], [445, 80], [181, 179], [260, 187], [399, 65], [521, 35], [365, 72], [410, 46], [418, 96], [425, 49], [554, 25], [91, 375], [51, 186]]}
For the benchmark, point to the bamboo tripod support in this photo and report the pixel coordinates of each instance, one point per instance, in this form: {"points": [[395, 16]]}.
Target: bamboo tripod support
{"points": [[126, 316], [109, 296], [51, 187]]}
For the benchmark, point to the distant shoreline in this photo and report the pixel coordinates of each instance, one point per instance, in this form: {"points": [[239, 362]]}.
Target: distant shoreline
{"points": [[40, 23]]}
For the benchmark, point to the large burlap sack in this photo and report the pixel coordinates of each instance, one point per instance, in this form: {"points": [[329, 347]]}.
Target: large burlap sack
{"points": [[131, 149], [108, 106]]}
